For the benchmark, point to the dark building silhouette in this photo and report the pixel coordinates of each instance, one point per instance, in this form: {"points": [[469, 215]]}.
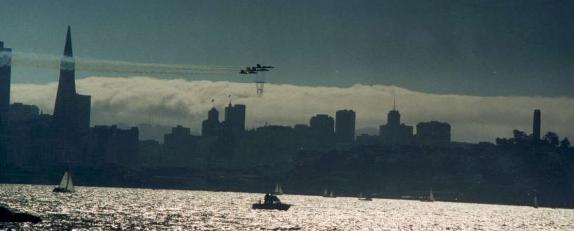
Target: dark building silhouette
{"points": [[433, 133], [322, 130], [536, 125], [394, 132], [232, 131], [211, 126], [5, 78], [302, 128], [65, 115], [180, 147], [110, 144], [153, 131], [22, 112], [270, 144], [322, 124], [235, 118], [71, 111], [366, 139], [345, 126], [83, 104], [178, 135]]}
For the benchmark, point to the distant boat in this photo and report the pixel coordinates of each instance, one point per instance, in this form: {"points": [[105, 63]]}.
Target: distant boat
{"points": [[430, 197], [272, 202], [535, 202], [278, 189], [363, 198], [277, 206], [66, 184], [327, 193]]}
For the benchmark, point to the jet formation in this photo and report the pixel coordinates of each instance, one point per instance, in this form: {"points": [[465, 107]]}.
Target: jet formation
{"points": [[255, 69], [259, 80]]}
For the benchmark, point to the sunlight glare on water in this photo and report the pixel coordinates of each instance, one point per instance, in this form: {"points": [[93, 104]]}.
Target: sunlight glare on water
{"points": [[121, 208]]}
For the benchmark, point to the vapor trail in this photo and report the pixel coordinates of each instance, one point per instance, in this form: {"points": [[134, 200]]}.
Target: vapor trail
{"points": [[119, 67]]}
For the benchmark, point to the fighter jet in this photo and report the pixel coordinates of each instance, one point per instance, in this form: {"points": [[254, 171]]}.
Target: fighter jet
{"points": [[248, 70], [254, 69], [259, 66]]}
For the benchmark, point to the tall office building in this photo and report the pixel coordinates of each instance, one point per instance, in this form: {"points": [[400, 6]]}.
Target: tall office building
{"points": [[394, 132], [536, 125], [235, 118], [71, 111], [5, 75], [65, 108], [211, 126], [83, 107], [345, 126], [321, 129]]}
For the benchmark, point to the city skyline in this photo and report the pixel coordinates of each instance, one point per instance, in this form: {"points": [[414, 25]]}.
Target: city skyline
{"points": [[141, 93], [180, 102]]}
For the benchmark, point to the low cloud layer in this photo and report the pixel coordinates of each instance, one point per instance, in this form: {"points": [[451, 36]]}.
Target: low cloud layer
{"points": [[137, 100]]}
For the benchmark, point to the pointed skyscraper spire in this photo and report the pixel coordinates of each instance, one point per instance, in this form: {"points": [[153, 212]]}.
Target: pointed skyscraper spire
{"points": [[68, 48], [65, 109]]}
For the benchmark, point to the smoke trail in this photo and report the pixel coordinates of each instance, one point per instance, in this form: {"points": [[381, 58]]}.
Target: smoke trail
{"points": [[90, 65]]}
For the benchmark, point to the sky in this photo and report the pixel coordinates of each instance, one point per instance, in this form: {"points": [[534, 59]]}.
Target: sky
{"points": [[483, 48], [475, 52]]}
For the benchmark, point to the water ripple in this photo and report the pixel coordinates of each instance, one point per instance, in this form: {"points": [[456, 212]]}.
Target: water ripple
{"points": [[92, 208]]}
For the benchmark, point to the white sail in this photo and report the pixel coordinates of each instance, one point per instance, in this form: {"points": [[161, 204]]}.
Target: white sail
{"points": [[535, 202], [331, 194], [64, 181], [279, 189], [431, 195], [325, 192], [70, 186]]}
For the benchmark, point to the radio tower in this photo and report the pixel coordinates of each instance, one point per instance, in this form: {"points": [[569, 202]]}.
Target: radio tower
{"points": [[259, 83]]}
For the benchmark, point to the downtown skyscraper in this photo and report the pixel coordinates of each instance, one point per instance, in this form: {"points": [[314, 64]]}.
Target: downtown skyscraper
{"points": [[5, 72], [71, 110]]}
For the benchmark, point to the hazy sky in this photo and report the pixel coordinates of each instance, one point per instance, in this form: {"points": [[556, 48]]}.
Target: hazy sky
{"points": [[483, 48]]}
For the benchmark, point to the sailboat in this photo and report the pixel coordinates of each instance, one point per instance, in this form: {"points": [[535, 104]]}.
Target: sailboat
{"points": [[535, 202], [278, 189], [66, 184], [326, 193], [430, 197]]}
